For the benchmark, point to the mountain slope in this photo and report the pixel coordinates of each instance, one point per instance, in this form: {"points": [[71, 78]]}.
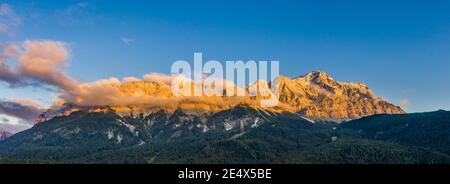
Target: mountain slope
{"points": [[429, 130], [82, 133], [239, 135]]}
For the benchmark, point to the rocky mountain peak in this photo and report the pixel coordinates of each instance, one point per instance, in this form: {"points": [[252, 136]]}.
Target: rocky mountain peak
{"points": [[318, 96], [318, 77]]}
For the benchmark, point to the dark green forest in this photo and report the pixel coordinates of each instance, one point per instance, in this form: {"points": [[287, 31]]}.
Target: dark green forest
{"points": [[161, 138]]}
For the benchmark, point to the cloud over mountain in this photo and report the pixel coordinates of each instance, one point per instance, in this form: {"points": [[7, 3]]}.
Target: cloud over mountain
{"points": [[40, 63], [19, 114], [21, 108]]}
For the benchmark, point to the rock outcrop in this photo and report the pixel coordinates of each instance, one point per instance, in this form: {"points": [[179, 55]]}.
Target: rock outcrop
{"points": [[317, 95]]}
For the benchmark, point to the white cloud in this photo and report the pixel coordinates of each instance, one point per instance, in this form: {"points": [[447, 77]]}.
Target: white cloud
{"points": [[7, 74], [13, 124], [405, 103], [127, 41], [130, 79], [157, 77], [21, 108], [37, 63], [19, 114], [9, 20], [76, 14], [42, 61]]}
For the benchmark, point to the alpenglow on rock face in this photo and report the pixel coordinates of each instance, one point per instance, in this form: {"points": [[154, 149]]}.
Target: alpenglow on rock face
{"points": [[315, 95]]}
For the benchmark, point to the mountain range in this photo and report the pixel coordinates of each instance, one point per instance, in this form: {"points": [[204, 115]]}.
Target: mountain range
{"points": [[239, 135], [319, 121], [315, 95]]}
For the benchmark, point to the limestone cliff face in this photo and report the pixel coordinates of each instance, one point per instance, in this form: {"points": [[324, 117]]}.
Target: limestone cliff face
{"points": [[318, 96], [157, 89], [315, 95]]}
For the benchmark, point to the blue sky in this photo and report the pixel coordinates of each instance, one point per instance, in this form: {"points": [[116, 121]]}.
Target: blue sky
{"points": [[399, 49]]}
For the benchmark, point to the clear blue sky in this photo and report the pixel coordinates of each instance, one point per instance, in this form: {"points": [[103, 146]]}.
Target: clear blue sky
{"points": [[399, 49]]}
